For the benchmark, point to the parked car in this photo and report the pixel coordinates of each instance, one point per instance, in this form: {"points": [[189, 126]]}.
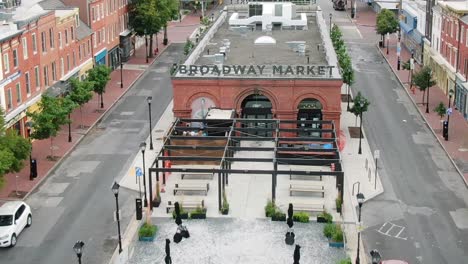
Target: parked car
{"points": [[14, 217], [339, 5]]}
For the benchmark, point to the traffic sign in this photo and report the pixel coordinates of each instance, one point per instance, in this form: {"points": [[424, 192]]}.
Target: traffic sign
{"points": [[138, 171]]}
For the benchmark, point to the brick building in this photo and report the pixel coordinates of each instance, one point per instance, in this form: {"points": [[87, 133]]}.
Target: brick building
{"points": [[285, 70]]}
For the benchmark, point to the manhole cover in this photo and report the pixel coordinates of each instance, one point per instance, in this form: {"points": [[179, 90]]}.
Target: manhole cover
{"points": [[354, 132]]}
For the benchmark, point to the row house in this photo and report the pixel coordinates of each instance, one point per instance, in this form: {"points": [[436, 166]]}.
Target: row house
{"points": [[42, 48], [412, 23], [108, 19], [446, 54]]}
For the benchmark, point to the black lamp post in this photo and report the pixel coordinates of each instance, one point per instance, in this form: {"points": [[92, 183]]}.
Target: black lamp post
{"points": [[149, 99], [347, 96], [451, 92], [375, 256], [331, 15], [115, 190], [360, 198], [143, 148], [29, 125], [78, 248], [69, 129], [121, 68], [427, 97], [359, 103], [388, 40]]}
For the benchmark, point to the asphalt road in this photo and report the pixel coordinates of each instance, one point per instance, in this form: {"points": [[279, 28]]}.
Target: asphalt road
{"points": [[422, 217], [76, 202]]}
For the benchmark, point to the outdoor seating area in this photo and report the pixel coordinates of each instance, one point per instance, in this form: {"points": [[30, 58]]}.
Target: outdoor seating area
{"points": [[232, 171]]}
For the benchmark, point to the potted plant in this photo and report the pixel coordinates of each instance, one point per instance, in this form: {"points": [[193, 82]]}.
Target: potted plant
{"points": [[183, 214], [338, 204], [157, 199], [278, 216], [324, 217], [337, 239], [225, 207], [270, 208], [199, 213], [147, 231], [301, 217]]}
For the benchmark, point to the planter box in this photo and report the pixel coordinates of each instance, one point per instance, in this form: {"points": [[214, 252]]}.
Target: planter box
{"points": [[198, 216], [183, 215], [279, 217], [225, 212], [146, 239], [336, 244], [321, 219]]}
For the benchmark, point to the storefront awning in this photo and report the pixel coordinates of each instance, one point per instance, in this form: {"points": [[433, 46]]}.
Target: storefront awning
{"points": [[125, 33], [406, 28]]}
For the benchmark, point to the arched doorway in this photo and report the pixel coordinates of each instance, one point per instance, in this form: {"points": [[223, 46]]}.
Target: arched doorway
{"points": [[309, 109], [257, 106]]}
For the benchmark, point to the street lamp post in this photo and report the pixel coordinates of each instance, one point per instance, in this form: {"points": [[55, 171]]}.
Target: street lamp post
{"points": [[331, 15], [69, 129], [360, 198], [451, 92], [31, 173], [427, 97], [115, 190], [143, 148], [121, 68], [149, 99], [375, 256], [78, 248]]}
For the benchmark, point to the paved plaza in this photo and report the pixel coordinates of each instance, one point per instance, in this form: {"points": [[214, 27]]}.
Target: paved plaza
{"points": [[230, 241]]}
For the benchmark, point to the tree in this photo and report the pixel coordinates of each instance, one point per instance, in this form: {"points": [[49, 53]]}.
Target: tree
{"points": [[361, 105], [423, 80], [81, 92], [440, 110], [144, 19], [52, 114], [99, 76], [166, 11], [14, 149], [386, 23]]}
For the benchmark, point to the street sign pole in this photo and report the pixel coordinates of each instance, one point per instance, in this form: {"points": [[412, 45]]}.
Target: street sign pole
{"points": [[376, 156]]}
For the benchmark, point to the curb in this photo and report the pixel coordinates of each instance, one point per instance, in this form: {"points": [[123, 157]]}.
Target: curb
{"points": [[127, 237], [59, 162], [422, 115]]}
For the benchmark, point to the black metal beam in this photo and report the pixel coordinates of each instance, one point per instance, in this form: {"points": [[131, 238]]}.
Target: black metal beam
{"points": [[246, 171], [247, 159], [235, 148]]}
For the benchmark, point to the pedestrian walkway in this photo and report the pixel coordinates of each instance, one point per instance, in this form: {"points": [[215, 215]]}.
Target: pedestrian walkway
{"points": [[457, 145], [19, 183]]}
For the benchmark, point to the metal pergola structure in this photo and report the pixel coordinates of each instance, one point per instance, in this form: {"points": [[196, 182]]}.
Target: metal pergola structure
{"points": [[291, 147]]}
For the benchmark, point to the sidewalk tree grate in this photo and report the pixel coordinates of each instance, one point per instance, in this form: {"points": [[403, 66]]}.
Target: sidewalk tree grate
{"points": [[344, 99], [354, 132], [17, 194]]}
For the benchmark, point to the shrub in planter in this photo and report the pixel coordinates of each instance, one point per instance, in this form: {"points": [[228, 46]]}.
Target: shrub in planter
{"points": [[147, 232], [324, 217], [329, 230], [183, 214], [278, 216], [345, 261], [270, 208], [337, 234], [301, 217], [199, 213], [338, 204]]}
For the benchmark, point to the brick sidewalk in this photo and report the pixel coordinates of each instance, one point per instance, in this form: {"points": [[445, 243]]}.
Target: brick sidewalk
{"points": [[92, 114], [457, 144]]}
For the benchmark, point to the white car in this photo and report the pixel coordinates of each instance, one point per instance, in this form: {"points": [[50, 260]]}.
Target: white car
{"points": [[14, 217]]}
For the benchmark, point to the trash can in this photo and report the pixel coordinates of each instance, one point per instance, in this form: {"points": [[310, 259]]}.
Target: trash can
{"points": [[380, 43], [33, 173]]}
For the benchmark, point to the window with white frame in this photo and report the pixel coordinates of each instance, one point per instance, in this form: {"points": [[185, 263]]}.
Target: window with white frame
{"points": [[51, 38], [34, 42], [66, 37], [72, 33], [54, 71], [10, 99], [79, 52], [18, 92], [15, 58], [62, 66], [60, 39], [37, 77], [46, 75], [27, 82], [24, 42], [6, 63], [44, 41]]}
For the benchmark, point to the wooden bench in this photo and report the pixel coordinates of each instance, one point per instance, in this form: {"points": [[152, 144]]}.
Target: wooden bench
{"points": [[305, 177], [197, 176], [191, 187], [186, 205], [305, 188], [308, 207]]}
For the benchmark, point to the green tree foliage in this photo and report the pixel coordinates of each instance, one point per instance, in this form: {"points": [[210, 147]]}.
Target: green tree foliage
{"points": [[167, 10], [81, 92], [386, 23], [144, 19], [52, 114], [188, 46], [441, 110], [14, 149], [344, 60], [99, 76], [423, 80], [361, 105]]}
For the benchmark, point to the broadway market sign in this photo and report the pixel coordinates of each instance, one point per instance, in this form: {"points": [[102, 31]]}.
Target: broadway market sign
{"points": [[255, 70]]}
